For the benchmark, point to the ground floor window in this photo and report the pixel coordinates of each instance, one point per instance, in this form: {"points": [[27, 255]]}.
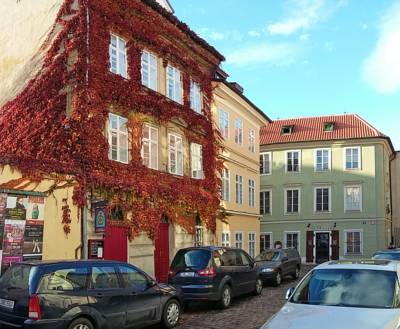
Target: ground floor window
{"points": [[353, 242], [199, 236], [252, 244], [239, 240], [225, 239], [265, 241], [292, 240]]}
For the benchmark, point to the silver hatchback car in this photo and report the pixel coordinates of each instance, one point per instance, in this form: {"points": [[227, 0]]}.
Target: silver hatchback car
{"points": [[345, 295]]}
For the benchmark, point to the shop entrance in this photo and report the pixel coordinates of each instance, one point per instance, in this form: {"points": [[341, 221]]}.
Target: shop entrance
{"points": [[322, 247]]}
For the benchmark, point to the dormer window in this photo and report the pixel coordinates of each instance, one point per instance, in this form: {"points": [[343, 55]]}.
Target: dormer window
{"points": [[329, 126], [287, 130]]}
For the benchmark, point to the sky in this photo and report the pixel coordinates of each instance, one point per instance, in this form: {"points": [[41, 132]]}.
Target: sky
{"points": [[308, 57]]}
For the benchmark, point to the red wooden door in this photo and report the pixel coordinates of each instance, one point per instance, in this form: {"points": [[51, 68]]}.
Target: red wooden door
{"points": [[161, 253], [335, 245], [116, 243], [310, 247]]}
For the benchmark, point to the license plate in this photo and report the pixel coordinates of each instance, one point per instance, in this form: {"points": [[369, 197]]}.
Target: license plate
{"points": [[186, 274], [7, 303]]}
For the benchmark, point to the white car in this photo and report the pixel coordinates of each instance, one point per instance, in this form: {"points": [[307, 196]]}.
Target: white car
{"points": [[344, 295]]}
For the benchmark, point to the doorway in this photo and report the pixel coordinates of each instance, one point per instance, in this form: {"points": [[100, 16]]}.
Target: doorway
{"points": [[161, 252], [322, 245]]}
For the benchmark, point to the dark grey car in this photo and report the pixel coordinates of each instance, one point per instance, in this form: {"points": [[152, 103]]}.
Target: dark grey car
{"points": [[276, 264]]}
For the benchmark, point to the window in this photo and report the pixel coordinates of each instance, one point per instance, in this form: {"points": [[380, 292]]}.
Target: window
{"points": [[225, 241], [149, 70], [252, 140], [265, 241], [118, 138], [224, 123], [239, 240], [104, 277], [196, 103], [150, 147], [352, 198], [353, 242], [225, 185], [292, 201], [68, 279], [131, 278], [265, 163], [329, 126], [352, 157], [198, 238], [239, 189], [252, 193], [117, 50], [196, 160], [265, 202], [174, 85], [287, 130], [238, 131], [175, 158], [322, 160], [252, 244], [292, 240], [293, 161], [322, 199]]}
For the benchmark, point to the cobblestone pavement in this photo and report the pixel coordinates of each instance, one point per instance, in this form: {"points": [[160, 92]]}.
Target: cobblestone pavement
{"points": [[246, 312]]}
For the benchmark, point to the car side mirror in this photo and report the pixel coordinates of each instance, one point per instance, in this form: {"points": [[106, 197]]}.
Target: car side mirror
{"points": [[285, 259], [289, 293], [151, 283]]}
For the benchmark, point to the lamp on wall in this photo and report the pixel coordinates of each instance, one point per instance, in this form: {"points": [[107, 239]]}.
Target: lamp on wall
{"points": [[309, 225], [334, 225]]}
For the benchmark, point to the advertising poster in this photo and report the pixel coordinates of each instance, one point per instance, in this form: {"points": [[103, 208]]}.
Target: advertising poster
{"points": [[33, 238], [13, 240], [3, 204], [16, 207], [35, 208]]}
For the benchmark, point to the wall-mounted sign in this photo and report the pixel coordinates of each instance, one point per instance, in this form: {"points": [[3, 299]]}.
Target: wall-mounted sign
{"points": [[96, 248], [100, 219]]}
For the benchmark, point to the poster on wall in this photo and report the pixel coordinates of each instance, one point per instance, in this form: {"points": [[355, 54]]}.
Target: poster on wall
{"points": [[16, 207], [35, 209], [13, 240], [3, 204], [33, 239]]}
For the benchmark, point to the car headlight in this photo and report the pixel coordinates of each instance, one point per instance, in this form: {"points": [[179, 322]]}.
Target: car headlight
{"points": [[267, 270]]}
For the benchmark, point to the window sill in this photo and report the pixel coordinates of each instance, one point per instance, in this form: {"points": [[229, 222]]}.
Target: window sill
{"points": [[353, 211], [267, 174], [292, 214], [322, 171], [322, 212]]}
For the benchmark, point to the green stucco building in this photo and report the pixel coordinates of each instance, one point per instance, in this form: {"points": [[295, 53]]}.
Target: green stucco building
{"points": [[325, 187]]}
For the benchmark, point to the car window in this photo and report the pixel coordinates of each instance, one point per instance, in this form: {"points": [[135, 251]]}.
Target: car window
{"points": [[64, 279], [131, 278], [104, 277], [17, 277], [387, 255], [269, 255], [292, 253], [192, 258], [229, 258], [244, 258]]}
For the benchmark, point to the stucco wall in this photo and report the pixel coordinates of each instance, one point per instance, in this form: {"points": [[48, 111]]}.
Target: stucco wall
{"points": [[396, 197]]}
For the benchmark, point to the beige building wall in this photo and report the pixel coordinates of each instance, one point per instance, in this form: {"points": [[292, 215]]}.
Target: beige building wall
{"points": [[395, 171], [239, 160]]}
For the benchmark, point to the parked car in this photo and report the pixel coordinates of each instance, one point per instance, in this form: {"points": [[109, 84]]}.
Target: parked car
{"points": [[392, 254], [214, 274], [276, 264], [84, 295], [343, 294]]}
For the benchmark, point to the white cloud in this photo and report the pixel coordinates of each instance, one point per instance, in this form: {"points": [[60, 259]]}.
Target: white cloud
{"points": [[265, 53], [254, 33], [212, 35], [382, 67]]}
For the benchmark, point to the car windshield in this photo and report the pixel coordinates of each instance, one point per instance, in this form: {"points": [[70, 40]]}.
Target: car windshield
{"points": [[16, 278], [192, 259], [387, 255], [268, 256], [347, 288]]}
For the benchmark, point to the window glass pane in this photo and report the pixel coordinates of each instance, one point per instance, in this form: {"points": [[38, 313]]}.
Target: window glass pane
{"points": [[71, 279], [131, 278], [104, 277]]}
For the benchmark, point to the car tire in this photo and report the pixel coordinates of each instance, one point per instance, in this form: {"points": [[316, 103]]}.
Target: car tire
{"points": [[226, 297], [259, 287], [81, 323], [278, 279], [171, 314], [296, 274]]}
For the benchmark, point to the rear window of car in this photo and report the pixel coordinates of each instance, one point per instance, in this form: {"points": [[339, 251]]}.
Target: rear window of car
{"points": [[269, 256], [387, 255], [192, 258], [64, 279], [16, 277]]}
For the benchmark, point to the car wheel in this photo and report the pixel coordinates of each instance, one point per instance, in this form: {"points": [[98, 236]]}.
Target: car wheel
{"points": [[278, 279], [226, 297], [296, 274], [259, 287], [172, 313], [81, 323]]}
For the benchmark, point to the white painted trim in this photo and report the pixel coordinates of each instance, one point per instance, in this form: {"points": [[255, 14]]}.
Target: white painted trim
{"points": [[270, 163], [315, 244], [237, 120], [270, 202], [298, 239], [255, 242], [229, 238], [158, 143], [344, 198], [345, 241], [241, 232], [271, 238], [329, 159], [285, 200], [359, 156], [219, 122], [286, 161], [330, 199], [183, 155]]}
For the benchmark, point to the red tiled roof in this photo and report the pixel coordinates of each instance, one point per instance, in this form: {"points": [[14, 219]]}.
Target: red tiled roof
{"points": [[346, 126]]}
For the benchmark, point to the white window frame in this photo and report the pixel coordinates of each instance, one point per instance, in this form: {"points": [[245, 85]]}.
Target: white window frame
{"points": [[252, 193], [286, 161], [153, 145], [252, 140], [262, 167], [345, 198], [329, 199], [270, 203], [196, 160], [361, 231], [285, 233], [249, 242], [329, 159], [116, 57], [223, 118], [271, 241], [239, 131], [239, 183], [118, 133], [176, 80], [225, 189], [225, 242], [358, 148], [196, 97], [237, 242], [177, 151], [285, 201], [151, 68]]}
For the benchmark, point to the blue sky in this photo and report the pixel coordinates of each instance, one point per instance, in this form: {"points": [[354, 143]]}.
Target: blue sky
{"points": [[308, 57]]}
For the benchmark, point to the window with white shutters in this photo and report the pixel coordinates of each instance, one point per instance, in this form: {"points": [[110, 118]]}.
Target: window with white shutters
{"points": [[252, 193], [265, 163], [149, 70], [175, 154], [224, 123], [196, 160], [150, 146], [225, 185], [239, 189], [117, 52], [352, 198], [174, 84], [118, 138], [238, 131], [196, 103]]}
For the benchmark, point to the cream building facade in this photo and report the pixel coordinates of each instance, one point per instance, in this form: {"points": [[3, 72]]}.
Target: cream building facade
{"points": [[395, 187], [239, 122]]}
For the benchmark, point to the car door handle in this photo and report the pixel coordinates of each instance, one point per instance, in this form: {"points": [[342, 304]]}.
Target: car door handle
{"points": [[99, 295]]}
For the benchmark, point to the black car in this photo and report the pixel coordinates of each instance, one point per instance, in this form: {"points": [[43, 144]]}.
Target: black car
{"points": [[214, 274], [391, 254], [275, 264], [84, 295]]}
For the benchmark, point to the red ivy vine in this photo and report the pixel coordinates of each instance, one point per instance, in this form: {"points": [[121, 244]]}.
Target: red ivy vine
{"points": [[39, 138]]}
